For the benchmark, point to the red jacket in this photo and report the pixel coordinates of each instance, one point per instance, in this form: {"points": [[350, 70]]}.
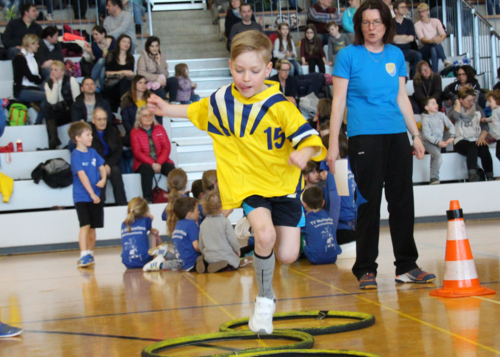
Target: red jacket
{"points": [[140, 146]]}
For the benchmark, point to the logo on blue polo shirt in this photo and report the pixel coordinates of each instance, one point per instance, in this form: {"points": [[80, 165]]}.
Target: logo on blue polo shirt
{"points": [[391, 69]]}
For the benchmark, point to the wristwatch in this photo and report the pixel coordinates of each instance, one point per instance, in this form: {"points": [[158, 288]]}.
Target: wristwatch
{"points": [[416, 136]]}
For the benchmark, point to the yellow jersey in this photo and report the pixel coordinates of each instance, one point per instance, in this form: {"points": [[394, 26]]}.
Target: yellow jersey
{"points": [[253, 139]]}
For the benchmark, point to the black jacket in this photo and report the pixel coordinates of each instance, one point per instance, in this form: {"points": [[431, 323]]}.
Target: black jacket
{"points": [[291, 85], [433, 88], [43, 54], [21, 69], [79, 110], [15, 31], [114, 141]]}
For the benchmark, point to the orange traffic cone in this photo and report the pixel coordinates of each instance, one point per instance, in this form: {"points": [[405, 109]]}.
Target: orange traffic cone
{"points": [[460, 275]]}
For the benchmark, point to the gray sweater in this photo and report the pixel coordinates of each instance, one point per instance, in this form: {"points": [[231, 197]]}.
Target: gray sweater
{"points": [[468, 127], [433, 127], [218, 241], [336, 44], [241, 27], [494, 123], [121, 24]]}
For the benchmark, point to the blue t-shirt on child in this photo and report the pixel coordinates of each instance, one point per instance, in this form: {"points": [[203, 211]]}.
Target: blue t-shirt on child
{"points": [[321, 243], [89, 162], [342, 209], [135, 243], [186, 232], [372, 106]]}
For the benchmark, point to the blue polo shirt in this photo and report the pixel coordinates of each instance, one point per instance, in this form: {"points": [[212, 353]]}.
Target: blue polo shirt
{"points": [[372, 106]]}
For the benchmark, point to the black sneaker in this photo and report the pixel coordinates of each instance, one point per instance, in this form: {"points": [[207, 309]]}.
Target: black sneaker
{"points": [[368, 281]]}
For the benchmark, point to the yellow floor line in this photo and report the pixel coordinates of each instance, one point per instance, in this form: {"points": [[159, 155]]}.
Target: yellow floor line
{"points": [[400, 313], [489, 300], [207, 295]]}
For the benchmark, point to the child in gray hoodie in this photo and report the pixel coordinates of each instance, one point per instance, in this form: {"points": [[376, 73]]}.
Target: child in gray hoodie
{"points": [[433, 124], [493, 121]]}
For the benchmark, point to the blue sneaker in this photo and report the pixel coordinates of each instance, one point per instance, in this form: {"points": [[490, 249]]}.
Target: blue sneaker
{"points": [[86, 261], [368, 281], [9, 331], [417, 276]]}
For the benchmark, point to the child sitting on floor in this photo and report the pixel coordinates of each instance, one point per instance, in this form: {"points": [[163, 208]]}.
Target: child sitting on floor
{"points": [[197, 191], [219, 246], [311, 174], [137, 245], [177, 183], [433, 124], [493, 99], [320, 243], [186, 233]]}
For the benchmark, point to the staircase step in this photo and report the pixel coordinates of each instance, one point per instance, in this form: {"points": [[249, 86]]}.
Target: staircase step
{"points": [[177, 38], [200, 46], [193, 54], [201, 63], [164, 28], [212, 83], [199, 166], [176, 15]]}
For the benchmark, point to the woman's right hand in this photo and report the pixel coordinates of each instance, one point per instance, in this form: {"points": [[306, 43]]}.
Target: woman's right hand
{"points": [[156, 167], [332, 156], [162, 81]]}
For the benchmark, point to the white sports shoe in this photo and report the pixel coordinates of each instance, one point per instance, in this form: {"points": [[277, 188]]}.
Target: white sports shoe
{"points": [[155, 264], [262, 319], [162, 249]]}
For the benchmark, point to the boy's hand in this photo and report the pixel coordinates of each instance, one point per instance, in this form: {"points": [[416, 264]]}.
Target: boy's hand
{"points": [[157, 106], [95, 198], [301, 157], [449, 141], [101, 183], [323, 175], [443, 144]]}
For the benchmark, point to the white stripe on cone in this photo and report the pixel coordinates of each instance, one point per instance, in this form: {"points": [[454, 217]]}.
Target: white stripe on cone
{"points": [[456, 230], [460, 270]]}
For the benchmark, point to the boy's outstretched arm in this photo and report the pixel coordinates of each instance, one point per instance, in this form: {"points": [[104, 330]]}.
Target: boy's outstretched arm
{"points": [[158, 106]]}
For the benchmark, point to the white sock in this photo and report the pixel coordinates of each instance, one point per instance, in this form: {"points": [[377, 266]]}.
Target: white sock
{"points": [[83, 253], [91, 252]]}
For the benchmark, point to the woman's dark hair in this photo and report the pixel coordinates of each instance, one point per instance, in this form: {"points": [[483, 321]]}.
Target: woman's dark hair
{"points": [[116, 51], [385, 15], [149, 42], [132, 91], [418, 80], [469, 72], [311, 50], [288, 38], [231, 8], [100, 29], [498, 72]]}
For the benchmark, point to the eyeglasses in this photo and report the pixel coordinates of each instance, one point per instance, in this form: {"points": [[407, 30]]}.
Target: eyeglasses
{"points": [[422, 11], [284, 70], [147, 116], [425, 68], [376, 23]]}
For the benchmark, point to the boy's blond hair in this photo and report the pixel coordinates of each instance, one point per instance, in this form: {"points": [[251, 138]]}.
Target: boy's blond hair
{"points": [[77, 129], [252, 41]]}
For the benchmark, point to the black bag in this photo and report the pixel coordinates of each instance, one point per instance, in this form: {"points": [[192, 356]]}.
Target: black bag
{"points": [[86, 67], [55, 172]]}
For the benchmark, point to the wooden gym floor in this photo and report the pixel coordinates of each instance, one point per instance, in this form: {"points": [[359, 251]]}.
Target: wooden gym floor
{"points": [[108, 311]]}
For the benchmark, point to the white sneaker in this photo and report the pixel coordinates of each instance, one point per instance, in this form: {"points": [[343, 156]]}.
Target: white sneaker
{"points": [[162, 250], [48, 17], [262, 319], [155, 264]]}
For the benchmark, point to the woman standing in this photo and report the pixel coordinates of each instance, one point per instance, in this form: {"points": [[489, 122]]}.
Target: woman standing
{"points": [[371, 75], [152, 64], [27, 78], [151, 149], [100, 47], [119, 70], [426, 84]]}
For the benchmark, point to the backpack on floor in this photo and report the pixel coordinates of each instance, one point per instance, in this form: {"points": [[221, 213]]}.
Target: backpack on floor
{"points": [[18, 114], [55, 172]]}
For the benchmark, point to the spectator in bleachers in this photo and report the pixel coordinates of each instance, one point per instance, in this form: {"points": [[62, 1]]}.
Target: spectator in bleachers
{"points": [[389, 4], [186, 94], [50, 50], [493, 98], [320, 14], [426, 84], [27, 79], [61, 91], [246, 24], [152, 64], [336, 41], [151, 149], [119, 71], [497, 86], [289, 85], [17, 28], [471, 131], [106, 140], [311, 50], [135, 98], [87, 101], [431, 34], [379, 150], [466, 77], [233, 17], [101, 45], [284, 48], [137, 10], [405, 36], [347, 19], [433, 126], [119, 22]]}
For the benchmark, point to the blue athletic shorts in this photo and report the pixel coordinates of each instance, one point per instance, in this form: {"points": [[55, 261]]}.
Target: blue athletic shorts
{"points": [[285, 211]]}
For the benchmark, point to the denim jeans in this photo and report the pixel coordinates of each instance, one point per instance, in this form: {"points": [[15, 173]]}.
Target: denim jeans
{"points": [[31, 95], [413, 57], [489, 4], [139, 12], [296, 67], [434, 53], [193, 98], [99, 72]]}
